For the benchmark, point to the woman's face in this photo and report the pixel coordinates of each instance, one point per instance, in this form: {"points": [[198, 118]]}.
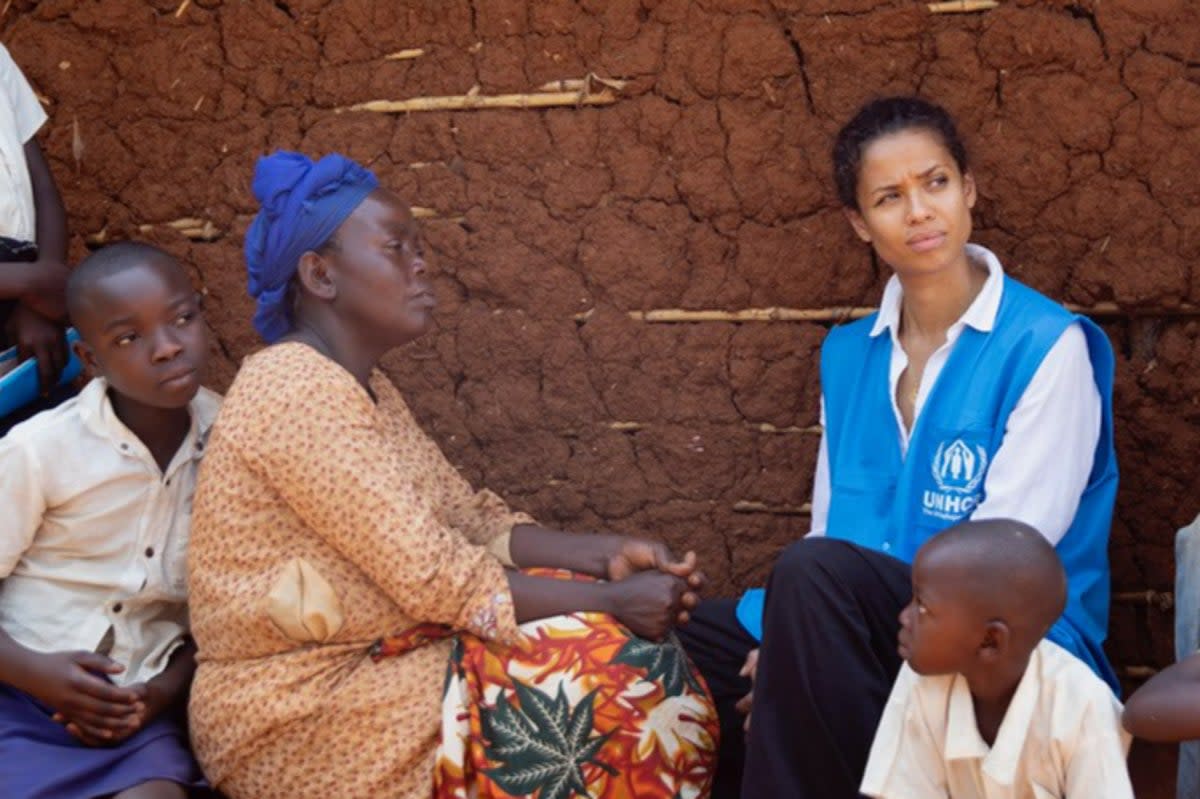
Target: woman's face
{"points": [[378, 264], [914, 205]]}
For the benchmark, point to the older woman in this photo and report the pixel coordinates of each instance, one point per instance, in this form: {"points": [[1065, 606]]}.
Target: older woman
{"points": [[362, 624]]}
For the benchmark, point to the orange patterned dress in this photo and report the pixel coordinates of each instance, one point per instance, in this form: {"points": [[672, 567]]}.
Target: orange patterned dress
{"points": [[356, 632]]}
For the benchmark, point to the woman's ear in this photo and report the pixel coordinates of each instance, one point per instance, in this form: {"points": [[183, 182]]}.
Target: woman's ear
{"points": [[858, 223], [969, 190], [314, 276]]}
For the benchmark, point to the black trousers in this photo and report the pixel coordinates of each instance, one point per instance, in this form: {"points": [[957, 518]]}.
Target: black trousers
{"points": [[827, 665], [717, 644]]}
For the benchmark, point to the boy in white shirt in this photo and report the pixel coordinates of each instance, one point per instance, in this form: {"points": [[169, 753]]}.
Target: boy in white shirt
{"points": [[95, 660], [985, 707]]}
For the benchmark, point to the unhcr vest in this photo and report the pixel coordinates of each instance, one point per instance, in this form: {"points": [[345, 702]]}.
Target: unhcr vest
{"points": [[893, 503]]}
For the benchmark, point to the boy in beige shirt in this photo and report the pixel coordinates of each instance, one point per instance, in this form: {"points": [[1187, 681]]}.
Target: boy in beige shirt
{"points": [[95, 507], [985, 707]]}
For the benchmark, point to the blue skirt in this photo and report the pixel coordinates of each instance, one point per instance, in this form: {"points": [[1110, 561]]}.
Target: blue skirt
{"points": [[39, 759]]}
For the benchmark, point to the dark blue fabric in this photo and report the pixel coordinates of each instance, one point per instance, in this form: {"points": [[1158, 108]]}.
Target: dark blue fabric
{"points": [[40, 760], [303, 204]]}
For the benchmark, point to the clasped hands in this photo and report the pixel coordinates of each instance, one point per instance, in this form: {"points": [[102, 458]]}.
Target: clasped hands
{"points": [[94, 710], [656, 590]]}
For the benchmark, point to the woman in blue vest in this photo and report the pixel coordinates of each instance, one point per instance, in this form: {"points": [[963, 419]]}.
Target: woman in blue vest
{"points": [[968, 395]]}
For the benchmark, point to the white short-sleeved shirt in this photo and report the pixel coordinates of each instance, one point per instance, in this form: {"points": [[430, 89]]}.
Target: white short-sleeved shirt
{"points": [[1060, 739], [21, 115], [93, 537], [1038, 474]]}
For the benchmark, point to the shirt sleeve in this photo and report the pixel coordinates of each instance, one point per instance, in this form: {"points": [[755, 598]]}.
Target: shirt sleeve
{"points": [[1096, 765], [483, 517], [821, 487], [28, 114], [334, 465], [1039, 472], [905, 760], [23, 501]]}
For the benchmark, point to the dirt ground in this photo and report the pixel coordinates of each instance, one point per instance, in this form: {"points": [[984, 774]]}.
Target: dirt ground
{"points": [[705, 186]]}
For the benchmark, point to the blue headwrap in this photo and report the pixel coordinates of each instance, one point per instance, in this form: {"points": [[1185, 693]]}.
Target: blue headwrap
{"points": [[303, 203]]}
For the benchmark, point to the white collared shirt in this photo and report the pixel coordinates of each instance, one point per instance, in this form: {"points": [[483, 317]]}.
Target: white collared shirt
{"points": [[1060, 739], [1041, 468], [22, 115], [93, 537]]}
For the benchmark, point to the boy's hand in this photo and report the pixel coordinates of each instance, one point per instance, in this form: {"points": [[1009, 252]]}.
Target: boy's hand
{"points": [[635, 555], [37, 337], [95, 711], [152, 699]]}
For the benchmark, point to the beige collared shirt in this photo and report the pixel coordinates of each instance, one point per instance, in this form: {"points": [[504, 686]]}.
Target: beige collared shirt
{"points": [[1061, 738], [93, 535], [22, 115]]}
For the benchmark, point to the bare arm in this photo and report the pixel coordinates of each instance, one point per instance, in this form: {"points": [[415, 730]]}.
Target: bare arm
{"points": [[28, 281], [532, 546], [616, 558], [48, 204], [540, 597], [173, 682], [648, 602], [1167, 708]]}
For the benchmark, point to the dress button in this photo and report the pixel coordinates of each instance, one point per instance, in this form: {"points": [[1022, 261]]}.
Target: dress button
{"points": [[117, 607], [149, 552], [886, 546]]}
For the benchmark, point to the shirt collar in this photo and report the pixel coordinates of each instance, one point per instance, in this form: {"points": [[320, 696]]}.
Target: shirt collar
{"points": [[97, 413], [981, 314], [963, 741]]}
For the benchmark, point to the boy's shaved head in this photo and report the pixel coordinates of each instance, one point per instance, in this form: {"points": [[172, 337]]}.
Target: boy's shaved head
{"points": [[1007, 569], [140, 325], [107, 261]]}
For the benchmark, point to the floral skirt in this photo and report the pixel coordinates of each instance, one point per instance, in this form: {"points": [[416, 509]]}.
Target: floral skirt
{"points": [[579, 707]]}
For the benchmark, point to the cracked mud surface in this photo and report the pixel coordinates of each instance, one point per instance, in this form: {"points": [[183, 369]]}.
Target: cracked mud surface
{"points": [[705, 186]]}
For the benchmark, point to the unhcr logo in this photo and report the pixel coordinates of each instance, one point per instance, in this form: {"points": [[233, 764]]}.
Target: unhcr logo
{"points": [[958, 470]]}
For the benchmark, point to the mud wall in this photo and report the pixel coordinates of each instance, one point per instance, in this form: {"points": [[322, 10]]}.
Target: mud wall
{"points": [[703, 187]]}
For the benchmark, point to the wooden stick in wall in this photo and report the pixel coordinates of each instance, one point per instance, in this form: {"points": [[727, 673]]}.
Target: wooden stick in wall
{"points": [[962, 6], [752, 506], [1163, 600], [767, 427], [582, 84], [752, 315], [846, 313], [405, 55], [472, 102]]}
